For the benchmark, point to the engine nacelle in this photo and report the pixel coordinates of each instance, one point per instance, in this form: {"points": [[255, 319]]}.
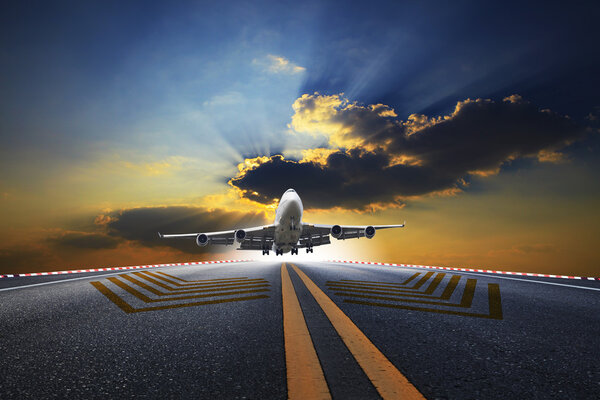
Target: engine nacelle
{"points": [[240, 235], [336, 231], [369, 232], [202, 240]]}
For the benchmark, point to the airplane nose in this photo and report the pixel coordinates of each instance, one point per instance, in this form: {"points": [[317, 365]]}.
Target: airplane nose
{"points": [[293, 205]]}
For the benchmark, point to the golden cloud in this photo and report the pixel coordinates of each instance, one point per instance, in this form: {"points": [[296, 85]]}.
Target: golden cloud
{"points": [[251, 163], [549, 156], [278, 65], [317, 156]]}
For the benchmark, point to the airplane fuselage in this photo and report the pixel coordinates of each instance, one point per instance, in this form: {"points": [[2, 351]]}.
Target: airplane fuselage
{"points": [[288, 222]]}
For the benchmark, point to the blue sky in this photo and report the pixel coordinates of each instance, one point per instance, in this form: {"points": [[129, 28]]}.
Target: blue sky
{"points": [[68, 64]]}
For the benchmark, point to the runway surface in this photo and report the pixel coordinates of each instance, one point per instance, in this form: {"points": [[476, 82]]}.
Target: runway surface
{"points": [[262, 330]]}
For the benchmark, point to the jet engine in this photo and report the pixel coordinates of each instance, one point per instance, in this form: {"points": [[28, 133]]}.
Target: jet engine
{"points": [[240, 235], [202, 240], [336, 231], [369, 232]]}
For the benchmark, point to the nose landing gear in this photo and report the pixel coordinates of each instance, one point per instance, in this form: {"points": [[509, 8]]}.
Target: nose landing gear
{"points": [[295, 251]]}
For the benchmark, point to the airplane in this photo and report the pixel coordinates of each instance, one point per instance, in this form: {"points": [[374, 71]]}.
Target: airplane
{"points": [[287, 234]]}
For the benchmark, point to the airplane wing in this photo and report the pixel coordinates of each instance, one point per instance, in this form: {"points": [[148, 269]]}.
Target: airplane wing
{"points": [[318, 234], [249, 239], [262, 237], [312, 236], [258, 238]]}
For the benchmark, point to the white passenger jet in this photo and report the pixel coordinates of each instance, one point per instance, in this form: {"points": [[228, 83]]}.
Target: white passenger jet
{"points": [[288, 232]]}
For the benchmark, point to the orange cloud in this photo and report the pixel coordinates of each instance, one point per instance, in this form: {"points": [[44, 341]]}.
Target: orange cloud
{"points": [[550, 156]]}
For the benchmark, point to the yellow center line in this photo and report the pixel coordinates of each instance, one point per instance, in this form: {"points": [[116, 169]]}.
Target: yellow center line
{"points": [[305, 379], [389, 382]]}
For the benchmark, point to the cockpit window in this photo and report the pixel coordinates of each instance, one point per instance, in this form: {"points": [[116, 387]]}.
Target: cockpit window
{"points": [[290, 190]]}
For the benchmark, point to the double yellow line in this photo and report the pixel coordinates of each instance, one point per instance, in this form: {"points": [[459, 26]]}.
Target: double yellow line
{"points": [[305, 376]]}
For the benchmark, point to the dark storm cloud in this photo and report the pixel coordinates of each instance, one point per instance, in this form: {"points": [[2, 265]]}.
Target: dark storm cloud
{"points": [[143, 224], [483, 134], [350, 180], [84, 240], [479, 137]]}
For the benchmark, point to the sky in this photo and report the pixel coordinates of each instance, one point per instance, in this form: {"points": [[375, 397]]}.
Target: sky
{"points": [[477, 123]]}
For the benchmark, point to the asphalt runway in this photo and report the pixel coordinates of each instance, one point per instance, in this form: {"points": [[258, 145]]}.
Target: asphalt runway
{"points": [[273, 330]]}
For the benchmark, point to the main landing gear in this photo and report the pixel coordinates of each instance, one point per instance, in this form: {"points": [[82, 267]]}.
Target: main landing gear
{"points": [[265, 252], [309, 250], [279, 252]]}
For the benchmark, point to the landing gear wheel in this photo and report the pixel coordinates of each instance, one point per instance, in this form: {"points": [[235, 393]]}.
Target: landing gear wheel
{"points": [[265, 252], [294, 251]]}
